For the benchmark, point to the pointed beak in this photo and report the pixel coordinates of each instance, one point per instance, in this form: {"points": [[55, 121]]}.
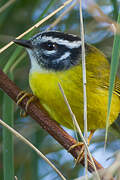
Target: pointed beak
{"points": [[24, 43]]}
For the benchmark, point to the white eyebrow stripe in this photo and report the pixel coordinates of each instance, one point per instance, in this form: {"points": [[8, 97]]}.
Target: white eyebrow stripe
{"points": [[47, 52], [64, 56], [69, 44]]}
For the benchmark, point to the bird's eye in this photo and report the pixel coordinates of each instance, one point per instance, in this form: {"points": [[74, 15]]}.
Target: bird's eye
{"points": [[50, 46]]}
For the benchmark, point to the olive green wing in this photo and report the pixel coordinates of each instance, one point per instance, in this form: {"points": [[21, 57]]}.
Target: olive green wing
{"points": [[117, 87]]}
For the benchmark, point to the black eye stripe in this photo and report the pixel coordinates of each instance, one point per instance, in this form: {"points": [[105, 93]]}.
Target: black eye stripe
{"points": [[49, 46], [58, 47]]}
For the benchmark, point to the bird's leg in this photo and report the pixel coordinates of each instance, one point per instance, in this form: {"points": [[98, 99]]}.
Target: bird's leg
{"points": [[90, 136], [81, 154], [21, 96]]}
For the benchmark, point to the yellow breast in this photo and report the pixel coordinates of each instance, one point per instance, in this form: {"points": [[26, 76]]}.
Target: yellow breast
{"points": [[45, 86]]}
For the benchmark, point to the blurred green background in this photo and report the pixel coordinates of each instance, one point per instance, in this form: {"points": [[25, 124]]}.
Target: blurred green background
{"points": [[16, 19]]}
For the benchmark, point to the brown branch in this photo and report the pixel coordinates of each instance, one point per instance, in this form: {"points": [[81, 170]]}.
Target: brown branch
{"points": [[41, 116]]}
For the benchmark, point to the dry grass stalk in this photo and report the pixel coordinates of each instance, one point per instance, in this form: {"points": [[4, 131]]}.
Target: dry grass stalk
{"points": [[6, 5]]}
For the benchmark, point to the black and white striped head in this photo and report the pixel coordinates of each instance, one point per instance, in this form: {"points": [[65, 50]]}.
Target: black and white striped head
{"points": [[53, 50]]}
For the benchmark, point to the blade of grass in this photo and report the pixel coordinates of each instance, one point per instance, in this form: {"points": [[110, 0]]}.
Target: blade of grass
{"points": [[84, 86], [35, 159], [12, 59], [113, 72], [116, 9], [6, 5], [8, 152]]}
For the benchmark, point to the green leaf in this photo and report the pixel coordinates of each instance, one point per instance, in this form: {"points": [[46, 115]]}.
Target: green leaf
{"points": [[113, 72], [116, 9], [8, 152]]}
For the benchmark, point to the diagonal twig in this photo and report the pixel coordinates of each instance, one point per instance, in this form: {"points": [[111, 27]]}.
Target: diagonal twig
{"points": [[41, 116]]}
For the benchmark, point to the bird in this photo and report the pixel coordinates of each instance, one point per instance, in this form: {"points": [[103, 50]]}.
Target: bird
{"points": [[56, 57]]}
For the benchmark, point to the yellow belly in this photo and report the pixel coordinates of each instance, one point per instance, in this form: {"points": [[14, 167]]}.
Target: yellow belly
{"points": [[45, 87]]}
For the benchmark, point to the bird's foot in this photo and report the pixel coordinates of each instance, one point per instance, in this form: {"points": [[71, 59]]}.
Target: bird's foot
{"points": [[81, 153], [21, 96]]}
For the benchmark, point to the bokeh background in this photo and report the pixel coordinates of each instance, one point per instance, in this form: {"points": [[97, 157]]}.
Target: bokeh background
{"points": [[16, 19]]}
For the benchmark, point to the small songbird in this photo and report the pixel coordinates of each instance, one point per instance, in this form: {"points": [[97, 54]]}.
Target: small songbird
{"points": [[56, 58]]}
